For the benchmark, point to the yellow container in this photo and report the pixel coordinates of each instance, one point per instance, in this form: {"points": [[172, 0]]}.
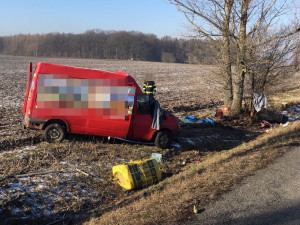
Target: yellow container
{"points": [[137, 174]]}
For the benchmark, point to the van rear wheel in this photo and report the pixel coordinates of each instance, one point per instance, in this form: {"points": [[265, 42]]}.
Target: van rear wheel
{"points": [[54, 133], [163, 139]]}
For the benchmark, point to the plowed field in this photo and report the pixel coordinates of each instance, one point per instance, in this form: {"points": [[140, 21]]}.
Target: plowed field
{"points": [[45, 182]]}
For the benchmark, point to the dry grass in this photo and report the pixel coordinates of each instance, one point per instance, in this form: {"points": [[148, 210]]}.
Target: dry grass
{"points": [[200, 183], [290, 97]]}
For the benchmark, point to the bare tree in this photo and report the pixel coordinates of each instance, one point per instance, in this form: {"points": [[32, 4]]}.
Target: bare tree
{"points": [[296, 54], [270, 63], [211, 20], [241, 27]]}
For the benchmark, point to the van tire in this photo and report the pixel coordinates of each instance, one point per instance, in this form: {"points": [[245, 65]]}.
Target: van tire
{"points": [[54, 133], [163, 139]]}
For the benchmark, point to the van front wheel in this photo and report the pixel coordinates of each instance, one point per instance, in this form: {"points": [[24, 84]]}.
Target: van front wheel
{"points": [[163, 139], [54, 133]]}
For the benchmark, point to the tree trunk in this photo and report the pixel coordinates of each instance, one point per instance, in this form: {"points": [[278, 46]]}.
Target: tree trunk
{"points": [[226, 55], [238, 89]]}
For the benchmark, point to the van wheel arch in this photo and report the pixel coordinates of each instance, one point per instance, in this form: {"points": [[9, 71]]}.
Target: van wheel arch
{"points": [[61, 122]]}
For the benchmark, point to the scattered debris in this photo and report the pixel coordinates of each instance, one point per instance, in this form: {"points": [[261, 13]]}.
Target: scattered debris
{"points": [[84, 173], [265, 124], [225, 109], [5, 195], [219, 113], [191, 119], [286, 124], [269, 130], [207, 122], [289, 114], [195, 119], [292, 112], [260, 101], [157, 157], [284, 105], [272, 116], [196, 210]]}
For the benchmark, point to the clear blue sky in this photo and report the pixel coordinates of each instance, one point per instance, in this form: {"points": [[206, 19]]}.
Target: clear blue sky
{"points": [[77, 16]]}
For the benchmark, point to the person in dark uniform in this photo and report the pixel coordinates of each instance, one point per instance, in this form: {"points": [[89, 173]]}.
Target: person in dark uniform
{"points": [[149, 87]]}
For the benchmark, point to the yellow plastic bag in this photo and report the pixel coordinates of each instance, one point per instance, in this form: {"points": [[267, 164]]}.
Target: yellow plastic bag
{"points": [[137, 174]]}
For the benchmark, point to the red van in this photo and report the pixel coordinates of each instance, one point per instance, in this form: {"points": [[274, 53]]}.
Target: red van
{"points": [[62, 99]]}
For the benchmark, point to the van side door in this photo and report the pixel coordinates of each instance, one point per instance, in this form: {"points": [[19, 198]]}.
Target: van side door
{"points": [[142, 119], [117, 125]]}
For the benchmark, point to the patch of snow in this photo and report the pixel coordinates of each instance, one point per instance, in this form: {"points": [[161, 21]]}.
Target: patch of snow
{"points": [[17, 211], [19, 152], [14, 187], [190, 141], [176, 145]]}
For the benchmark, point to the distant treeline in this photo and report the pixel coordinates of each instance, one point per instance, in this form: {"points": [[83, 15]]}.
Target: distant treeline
{"points": [[109, 45]]}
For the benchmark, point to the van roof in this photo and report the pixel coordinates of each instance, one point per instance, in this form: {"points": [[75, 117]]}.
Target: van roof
{"points": [[83, 73], [77, 72]]}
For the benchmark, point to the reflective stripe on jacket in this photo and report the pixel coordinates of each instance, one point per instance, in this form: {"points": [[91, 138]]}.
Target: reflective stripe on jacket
{"points": [[149, 87]]}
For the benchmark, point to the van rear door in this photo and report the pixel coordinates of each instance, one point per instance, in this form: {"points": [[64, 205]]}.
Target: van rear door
{"points": [[27, 89]]}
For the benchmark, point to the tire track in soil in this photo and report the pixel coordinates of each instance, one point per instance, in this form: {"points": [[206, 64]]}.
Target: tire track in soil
{"points": [[19, 142]]}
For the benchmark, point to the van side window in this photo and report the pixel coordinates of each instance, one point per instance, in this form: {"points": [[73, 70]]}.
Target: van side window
{"points": [[143, 104], [130, 104]]}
